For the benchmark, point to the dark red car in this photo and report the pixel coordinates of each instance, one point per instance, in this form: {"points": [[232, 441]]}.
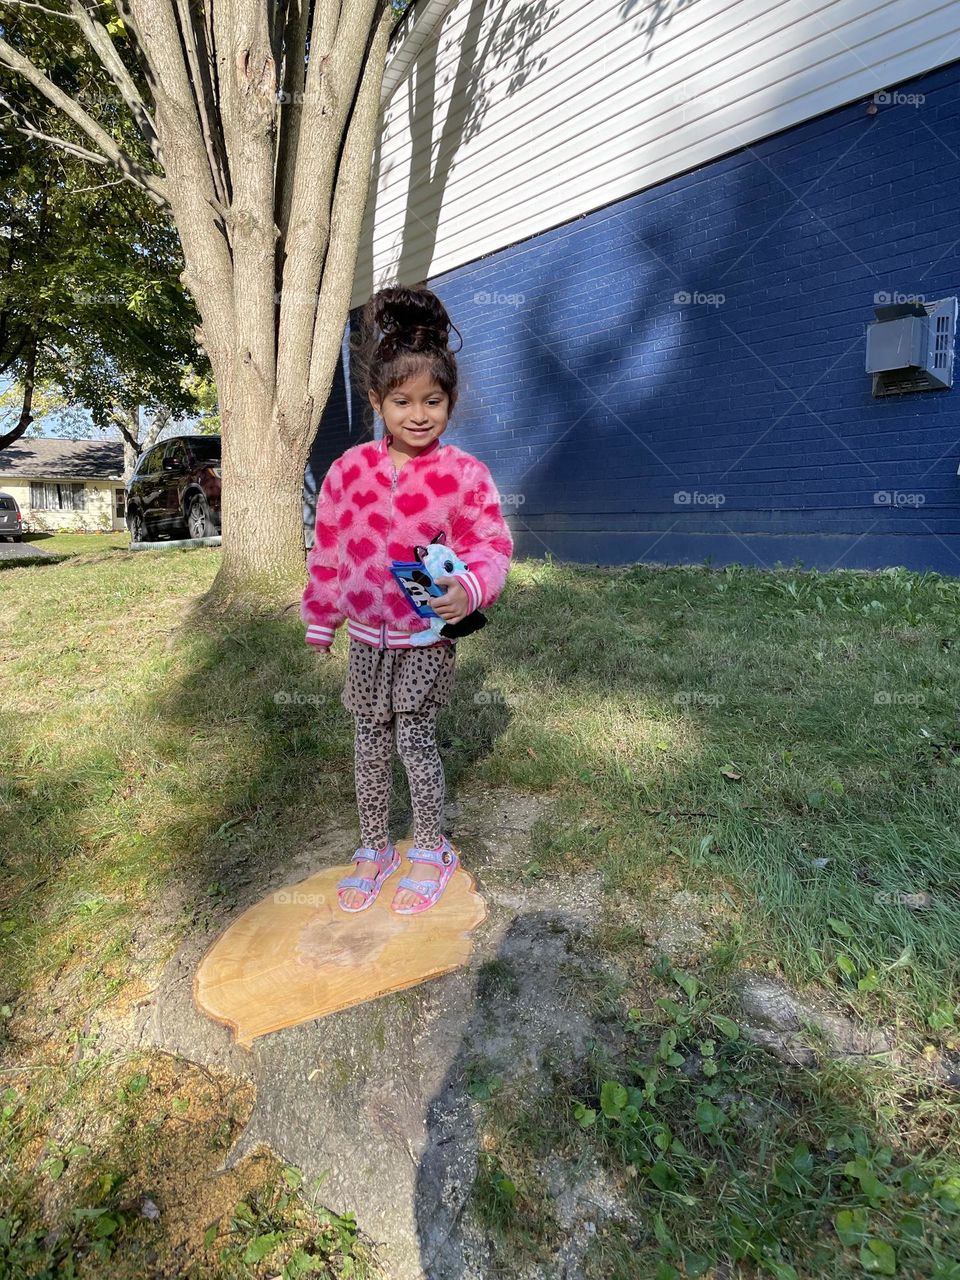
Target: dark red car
{"points": [[175, 490]]}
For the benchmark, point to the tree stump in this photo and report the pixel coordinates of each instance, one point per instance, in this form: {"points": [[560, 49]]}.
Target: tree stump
{"points": [[296, 955]]}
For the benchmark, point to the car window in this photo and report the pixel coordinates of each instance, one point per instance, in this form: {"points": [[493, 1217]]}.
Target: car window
{"points": [[205, 448], [6, 504], [176, 456]]}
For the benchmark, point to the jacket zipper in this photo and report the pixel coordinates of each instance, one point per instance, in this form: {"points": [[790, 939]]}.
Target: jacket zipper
{"points": [[393, 486]]}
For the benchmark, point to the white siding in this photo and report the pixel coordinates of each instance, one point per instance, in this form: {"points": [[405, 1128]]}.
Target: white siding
{"points": [[539, 114]]}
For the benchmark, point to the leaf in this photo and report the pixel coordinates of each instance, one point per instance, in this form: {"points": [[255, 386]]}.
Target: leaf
{"points": [[709, 1118], [105, 1226], [726, 1026], [211, 1233], [869, 982], [877, 1257], [840, 927], [870, 1184], [846, 967], [585, 1116], [851, 1225], [731, 775], [664, 1238], [663, 1176], [613, 1098], [668, 1042], [688, 983], [260, 1246]]}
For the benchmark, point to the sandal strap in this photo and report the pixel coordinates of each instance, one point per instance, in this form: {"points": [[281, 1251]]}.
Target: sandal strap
{"points": [[441, 857], [424, 888], [366, 853], [363, 883]]}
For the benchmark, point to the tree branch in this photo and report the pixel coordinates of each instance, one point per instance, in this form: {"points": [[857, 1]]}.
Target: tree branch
{"points": [[54, 13], [331, 82], [133, 172], [200, 216], [14, 434], [199, 69], [99, 40], [93, 156], [349, 202], [293, 72]]}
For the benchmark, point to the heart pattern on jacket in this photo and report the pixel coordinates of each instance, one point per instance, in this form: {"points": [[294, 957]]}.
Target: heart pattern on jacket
{"points": [[409, 504]]}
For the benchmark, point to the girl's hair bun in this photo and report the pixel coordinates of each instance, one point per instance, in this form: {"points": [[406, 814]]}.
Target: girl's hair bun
{"points": [[403, 333], [412, 320]]}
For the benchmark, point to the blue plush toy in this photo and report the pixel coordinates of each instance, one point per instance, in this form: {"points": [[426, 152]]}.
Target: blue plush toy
{"points": [[417, 578]]}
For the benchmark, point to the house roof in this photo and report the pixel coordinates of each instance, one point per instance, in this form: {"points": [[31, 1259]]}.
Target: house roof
{"points": [[47, 459]]}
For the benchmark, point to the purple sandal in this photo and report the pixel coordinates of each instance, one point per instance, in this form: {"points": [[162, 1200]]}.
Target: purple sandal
{"points": [[429, 890], [386, 859]]}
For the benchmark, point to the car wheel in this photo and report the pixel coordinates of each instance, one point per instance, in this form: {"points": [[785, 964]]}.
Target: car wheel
{"points": [[18, 537], [199, 523], [139, 532]]}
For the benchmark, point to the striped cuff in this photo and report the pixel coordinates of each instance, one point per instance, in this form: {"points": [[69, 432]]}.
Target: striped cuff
{"points": [[471, 584], [320, 637]]}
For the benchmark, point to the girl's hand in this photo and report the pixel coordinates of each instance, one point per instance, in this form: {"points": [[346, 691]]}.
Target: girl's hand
{"points": [[454, 604]]}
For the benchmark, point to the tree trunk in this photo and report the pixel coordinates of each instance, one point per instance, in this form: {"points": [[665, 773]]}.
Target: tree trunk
{"points": [[262, 553]]}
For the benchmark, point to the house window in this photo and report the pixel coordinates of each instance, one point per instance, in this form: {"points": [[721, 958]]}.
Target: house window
{"points": [[56, 497], [121, 498]]}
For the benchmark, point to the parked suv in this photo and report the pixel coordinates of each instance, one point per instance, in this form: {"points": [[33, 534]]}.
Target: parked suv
{"points": [[11, 522], [175, 490]]}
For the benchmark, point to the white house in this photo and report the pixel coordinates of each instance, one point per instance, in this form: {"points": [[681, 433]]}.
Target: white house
{"points": [[66, 484]]}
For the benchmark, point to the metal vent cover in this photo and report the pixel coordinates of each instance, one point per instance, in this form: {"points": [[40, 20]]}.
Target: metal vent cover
{"points": [[934, 368]]}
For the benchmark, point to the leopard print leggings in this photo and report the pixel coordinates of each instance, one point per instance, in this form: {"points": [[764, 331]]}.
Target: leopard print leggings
{"points": [[417, 748]]}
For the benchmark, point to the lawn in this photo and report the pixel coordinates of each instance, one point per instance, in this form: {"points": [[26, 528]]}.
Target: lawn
{"points": [[782, 747]]}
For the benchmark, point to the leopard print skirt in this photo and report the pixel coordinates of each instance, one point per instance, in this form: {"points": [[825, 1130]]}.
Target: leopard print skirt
{"points": [[382, 681]]}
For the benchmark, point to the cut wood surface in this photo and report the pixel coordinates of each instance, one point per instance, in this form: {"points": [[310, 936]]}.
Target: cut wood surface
{"points": [[297, 955]]}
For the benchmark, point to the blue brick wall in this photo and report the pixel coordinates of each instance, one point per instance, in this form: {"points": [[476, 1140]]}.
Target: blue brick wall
{"points": [[598, 401]]}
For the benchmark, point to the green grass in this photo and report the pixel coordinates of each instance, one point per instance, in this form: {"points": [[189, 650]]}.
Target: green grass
{"points": [[782, 745]]}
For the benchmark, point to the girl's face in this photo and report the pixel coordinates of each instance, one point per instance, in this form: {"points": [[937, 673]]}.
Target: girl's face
{"points": [[414, 413]]}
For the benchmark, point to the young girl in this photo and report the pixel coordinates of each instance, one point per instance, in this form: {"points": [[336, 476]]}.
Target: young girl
{"points": [[378, 501]]}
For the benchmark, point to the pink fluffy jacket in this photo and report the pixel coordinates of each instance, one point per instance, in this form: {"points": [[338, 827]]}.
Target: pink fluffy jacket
{"points": [[370, 512]]}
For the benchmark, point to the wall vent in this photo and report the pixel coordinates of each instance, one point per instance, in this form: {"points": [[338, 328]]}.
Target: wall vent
{"points": [[910, 346]]}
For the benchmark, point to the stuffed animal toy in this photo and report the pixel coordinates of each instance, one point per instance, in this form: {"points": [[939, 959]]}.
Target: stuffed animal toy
{"points": [[417, 580]]}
